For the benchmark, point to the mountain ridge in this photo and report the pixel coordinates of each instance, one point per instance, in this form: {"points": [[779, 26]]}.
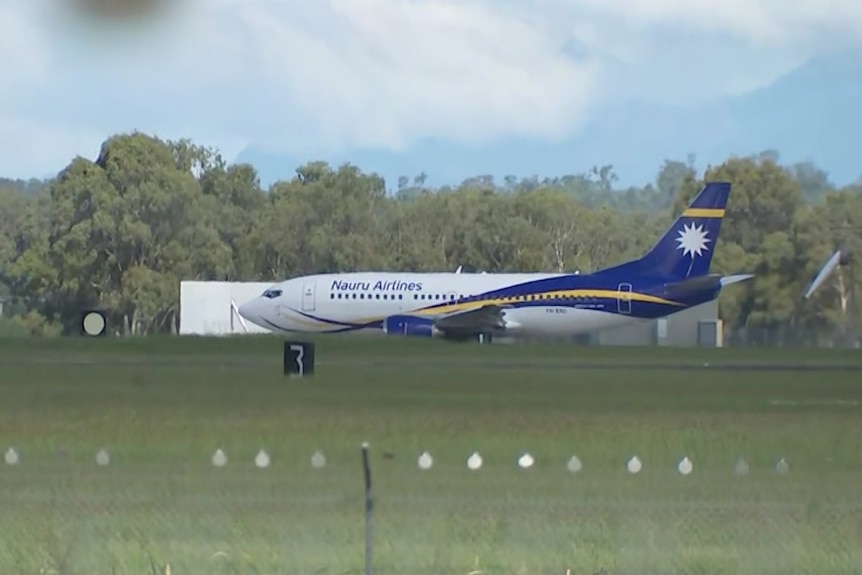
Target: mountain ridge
{"points": [[809, 114]]}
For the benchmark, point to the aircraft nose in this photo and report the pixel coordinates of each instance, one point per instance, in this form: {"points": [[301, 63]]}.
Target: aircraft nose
{"points": [[251, 310]]}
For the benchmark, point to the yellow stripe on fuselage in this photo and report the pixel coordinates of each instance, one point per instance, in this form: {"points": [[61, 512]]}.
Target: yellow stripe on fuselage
{"points": [[703, 213], [543, 296], [456, 306]]}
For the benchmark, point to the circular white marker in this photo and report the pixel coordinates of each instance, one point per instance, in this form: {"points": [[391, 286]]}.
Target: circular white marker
{"points": [[318, 460], [782, 467], [685, 466], [102, 458], [11, 456], [94, 323], [634, 465], [474, 462], [526, 461], [574, 465], [741, 467], [219, 458], [262, 459], [425, 461]]}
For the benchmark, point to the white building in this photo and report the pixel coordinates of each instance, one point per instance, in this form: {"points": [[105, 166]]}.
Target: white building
{"points": [[210, 308]]}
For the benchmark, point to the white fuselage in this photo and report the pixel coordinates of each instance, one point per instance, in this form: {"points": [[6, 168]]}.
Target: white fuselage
{"points": [[343, 302]]}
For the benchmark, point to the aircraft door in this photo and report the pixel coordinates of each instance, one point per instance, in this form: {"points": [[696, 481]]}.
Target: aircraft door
{"points": [[624, 298], [308, 296]]}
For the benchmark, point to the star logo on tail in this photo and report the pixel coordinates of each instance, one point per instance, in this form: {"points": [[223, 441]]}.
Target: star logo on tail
{"points": [[692, 240]]}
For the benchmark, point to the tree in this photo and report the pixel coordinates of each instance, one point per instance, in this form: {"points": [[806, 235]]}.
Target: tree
{"points": [[122, 232], [123, 229]]}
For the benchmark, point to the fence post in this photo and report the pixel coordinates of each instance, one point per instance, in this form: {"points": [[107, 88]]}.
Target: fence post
{"points": [[369, 508]]}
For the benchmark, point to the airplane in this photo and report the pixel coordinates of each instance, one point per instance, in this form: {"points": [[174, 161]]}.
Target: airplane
{"points": [[671, 277]]}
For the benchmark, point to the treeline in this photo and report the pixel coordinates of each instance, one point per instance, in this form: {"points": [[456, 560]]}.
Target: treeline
{"points": [[121, 231]]}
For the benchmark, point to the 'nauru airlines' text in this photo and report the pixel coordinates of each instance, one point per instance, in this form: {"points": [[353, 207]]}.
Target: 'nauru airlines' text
{"points": [[395, 285]]}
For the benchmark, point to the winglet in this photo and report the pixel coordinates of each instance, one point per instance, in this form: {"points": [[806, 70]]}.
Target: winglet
{"points": [[824, 273]]}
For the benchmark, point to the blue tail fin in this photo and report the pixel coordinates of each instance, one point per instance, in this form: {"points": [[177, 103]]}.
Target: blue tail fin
{"points": [[685, 250]]}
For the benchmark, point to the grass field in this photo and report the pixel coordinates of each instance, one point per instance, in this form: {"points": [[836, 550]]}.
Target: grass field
{"points": [[162, 407]]}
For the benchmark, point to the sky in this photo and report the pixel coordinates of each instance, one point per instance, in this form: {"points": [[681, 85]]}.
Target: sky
{"points": [[299, 77]]}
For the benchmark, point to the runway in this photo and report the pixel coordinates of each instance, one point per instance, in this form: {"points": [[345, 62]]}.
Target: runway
{"points": [[471, 363]]}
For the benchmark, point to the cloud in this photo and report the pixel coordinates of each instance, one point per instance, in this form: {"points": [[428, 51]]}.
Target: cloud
{"points": [[23, 50], [32, 149], [326, 76], [761, 22], [382, 73]]}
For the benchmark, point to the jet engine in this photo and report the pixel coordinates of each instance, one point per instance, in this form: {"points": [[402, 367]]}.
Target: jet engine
{"points": [[410, 325]]}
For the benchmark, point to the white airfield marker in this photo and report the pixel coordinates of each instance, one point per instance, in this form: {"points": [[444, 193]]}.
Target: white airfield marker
{"points": [[574, 465], [262, 459], [526, 461], [634, 465], [12, 456], [318, 460], [474, 462], [103, 458], [685, 466], [425, 460], [219, 458]]}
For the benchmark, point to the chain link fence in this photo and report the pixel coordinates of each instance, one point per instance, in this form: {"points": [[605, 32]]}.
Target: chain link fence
{"points": [[109, 514]]}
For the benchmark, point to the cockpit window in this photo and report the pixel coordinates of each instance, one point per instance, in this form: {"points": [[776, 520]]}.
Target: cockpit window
{"points": [[272, 293]]}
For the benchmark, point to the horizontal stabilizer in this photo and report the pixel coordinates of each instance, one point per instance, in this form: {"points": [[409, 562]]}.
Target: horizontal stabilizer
{"points": [[681, 289], [730, 280]]}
